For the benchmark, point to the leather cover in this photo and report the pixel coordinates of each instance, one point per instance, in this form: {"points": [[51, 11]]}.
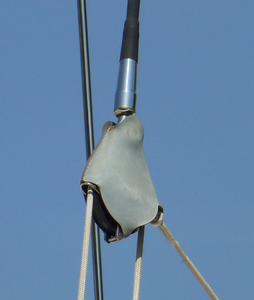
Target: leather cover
{"points": [[119, 170]]}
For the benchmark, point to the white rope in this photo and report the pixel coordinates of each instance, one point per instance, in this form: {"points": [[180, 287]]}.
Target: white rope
{"points": [[138, 264], [85, 247], [169, 236]]}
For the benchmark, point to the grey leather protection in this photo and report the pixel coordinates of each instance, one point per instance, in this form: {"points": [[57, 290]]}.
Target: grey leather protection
{"points": [[118, 170]]}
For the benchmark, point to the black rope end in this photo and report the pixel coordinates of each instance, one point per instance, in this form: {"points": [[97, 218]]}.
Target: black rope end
{"points": [[130, 40]]}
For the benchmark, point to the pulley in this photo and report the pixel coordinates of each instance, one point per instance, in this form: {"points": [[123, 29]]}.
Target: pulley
{"points": [[117, 171]]}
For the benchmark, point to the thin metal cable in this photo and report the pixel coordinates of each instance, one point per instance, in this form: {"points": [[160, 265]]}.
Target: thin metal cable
{"points": [[89, 133], [138, 264], [85, 247], [169, 236]]}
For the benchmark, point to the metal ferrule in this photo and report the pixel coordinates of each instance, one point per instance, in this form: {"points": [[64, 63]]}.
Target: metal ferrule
{"points": [[125, 98]]}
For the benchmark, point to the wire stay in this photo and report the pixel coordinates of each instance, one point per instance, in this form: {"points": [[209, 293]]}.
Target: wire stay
{"points": [[89, 134]]}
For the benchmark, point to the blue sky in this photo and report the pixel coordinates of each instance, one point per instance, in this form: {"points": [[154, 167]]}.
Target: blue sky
{"points": [[195, 98]]}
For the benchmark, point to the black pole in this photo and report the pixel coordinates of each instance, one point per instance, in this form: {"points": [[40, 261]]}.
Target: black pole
{"points": [[89, 134]]}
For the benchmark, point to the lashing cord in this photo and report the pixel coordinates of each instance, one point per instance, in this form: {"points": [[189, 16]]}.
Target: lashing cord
{"points": [[169, 236], [140, 242], [138, 264], [85, 252], [85, 247]]}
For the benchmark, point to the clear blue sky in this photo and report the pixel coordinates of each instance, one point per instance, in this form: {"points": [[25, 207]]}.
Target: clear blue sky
{"points": [[195, 98]]}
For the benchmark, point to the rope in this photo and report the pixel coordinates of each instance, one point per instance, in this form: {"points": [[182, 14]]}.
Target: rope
{"points": [[138, 264], [169, 236], [85, 247]]}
